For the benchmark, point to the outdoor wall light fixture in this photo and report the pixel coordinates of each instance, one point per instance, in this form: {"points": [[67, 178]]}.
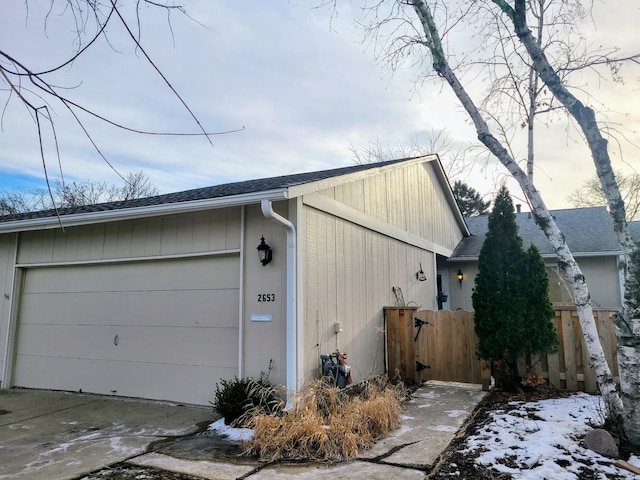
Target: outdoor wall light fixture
{"points": [[460, 277], [420, 274], [265, 254]]}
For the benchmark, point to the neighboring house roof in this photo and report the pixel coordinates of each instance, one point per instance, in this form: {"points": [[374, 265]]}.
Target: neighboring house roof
{"points": [[588, 231], [229, 194]]}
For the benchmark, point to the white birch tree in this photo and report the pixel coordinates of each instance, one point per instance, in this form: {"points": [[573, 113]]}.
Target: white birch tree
{"points": [[543, 217], [628, 329], [626, 413]]}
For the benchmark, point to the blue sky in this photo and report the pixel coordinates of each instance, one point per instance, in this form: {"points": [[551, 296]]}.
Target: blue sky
{"points": [[299, 82]]}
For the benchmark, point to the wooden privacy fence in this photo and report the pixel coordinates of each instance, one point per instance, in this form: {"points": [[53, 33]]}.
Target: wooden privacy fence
{"points": [[441, 345]]}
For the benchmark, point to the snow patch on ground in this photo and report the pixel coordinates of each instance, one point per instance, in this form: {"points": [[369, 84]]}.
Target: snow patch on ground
{"points": [[235, 434], [542, 439], [430, 394], [456, 413]]}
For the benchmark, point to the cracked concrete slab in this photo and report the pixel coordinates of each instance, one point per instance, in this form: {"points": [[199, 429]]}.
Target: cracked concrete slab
{"points": [[430, 421], [57, 435], [355, 470], [207, 469]]}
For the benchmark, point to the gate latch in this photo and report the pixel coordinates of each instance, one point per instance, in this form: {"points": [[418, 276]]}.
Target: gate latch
{"points": [[421, 366], [418, 323]]}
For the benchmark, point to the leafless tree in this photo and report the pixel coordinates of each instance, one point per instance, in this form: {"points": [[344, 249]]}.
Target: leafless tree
{"points": [[516, 96], [457, 158], [392, 24], [35, 88], [77, 193], [590, 194]]}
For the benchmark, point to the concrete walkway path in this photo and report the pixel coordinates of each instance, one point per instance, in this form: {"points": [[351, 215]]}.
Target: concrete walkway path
{"points": [[430, 421], [63, 436]]}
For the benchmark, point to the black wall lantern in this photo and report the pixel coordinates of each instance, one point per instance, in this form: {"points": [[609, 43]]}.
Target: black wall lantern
{"points": [[460, 277], [420, 274], [265, 254]]}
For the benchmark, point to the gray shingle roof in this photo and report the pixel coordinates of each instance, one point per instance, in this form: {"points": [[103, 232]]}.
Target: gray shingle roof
{"points": [[217, 191], [587, 230]]}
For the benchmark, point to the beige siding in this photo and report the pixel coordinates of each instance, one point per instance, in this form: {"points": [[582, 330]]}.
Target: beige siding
{"points": [[602, 278], [601, 274], [460, 293], [348, 275], [7, 262], [208, 231], [410, 198], [264, 342]]}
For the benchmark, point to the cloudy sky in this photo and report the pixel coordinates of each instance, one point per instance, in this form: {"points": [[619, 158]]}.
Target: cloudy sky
{"points": [[297, 81]]}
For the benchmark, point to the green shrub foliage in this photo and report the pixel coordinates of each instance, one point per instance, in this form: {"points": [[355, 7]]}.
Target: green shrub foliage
{"points": [[235, 400], [513, 313]]}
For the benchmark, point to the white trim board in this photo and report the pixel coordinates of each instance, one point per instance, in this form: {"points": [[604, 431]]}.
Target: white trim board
{"points": [[175, 256], [332, 207]]}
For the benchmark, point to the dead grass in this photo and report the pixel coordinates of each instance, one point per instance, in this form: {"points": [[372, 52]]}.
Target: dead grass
{"points": [[326, 424]]}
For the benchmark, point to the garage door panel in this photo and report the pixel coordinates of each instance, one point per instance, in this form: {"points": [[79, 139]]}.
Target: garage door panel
{"points": [[154, 329], [215, 347], [164, 308], [147, 380], [188, 274]]}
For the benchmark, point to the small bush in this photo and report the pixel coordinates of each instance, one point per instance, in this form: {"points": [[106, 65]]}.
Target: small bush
{"points": [[327, 424], [238, 399]]}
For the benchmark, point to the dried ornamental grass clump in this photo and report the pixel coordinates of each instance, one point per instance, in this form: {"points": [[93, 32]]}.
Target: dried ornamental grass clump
{"points": [[326, 424]]}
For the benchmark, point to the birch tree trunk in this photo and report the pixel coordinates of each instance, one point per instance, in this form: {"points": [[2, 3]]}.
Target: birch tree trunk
{"points": [[542, 215], [627, 329]]}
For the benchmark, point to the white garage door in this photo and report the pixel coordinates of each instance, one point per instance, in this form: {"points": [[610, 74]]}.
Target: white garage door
{"points": [[155, 329]]}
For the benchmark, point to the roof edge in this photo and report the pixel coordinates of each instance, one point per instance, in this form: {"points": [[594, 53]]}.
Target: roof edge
{"points": [[132, 213], [372, 170], [451, 199], [546, 256]]}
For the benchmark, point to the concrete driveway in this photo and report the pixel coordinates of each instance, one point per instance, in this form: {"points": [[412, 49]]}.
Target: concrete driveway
{"points": [[62, 436], [57, 435]]}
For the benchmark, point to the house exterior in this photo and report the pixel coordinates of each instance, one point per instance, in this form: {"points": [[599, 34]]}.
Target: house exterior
{"points": [[590, 236], [162, 297]]}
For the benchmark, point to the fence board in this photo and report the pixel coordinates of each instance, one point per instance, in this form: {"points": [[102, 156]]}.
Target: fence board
{"points": [[568, 346], [400, 348], [447, 344]]}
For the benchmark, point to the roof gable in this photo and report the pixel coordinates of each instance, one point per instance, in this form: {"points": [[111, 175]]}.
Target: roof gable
{"points": [[235, 193]]}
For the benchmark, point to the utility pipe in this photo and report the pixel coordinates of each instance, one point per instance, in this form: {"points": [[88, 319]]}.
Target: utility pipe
{"points": [[292, 327]]}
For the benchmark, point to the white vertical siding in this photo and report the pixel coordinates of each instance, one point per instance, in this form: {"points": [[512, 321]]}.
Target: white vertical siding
{"points": [[349, 272], [410, 198]]}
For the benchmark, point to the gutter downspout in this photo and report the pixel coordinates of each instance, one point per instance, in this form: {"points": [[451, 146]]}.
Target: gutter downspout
{"points": [[241, 295], [292, 327]]}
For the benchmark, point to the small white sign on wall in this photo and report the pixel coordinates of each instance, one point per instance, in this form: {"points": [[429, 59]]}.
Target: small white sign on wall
{"points": [[260, 318]]}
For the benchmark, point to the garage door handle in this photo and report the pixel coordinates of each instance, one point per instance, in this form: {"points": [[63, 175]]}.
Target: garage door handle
{"points": [[116, 340]]}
